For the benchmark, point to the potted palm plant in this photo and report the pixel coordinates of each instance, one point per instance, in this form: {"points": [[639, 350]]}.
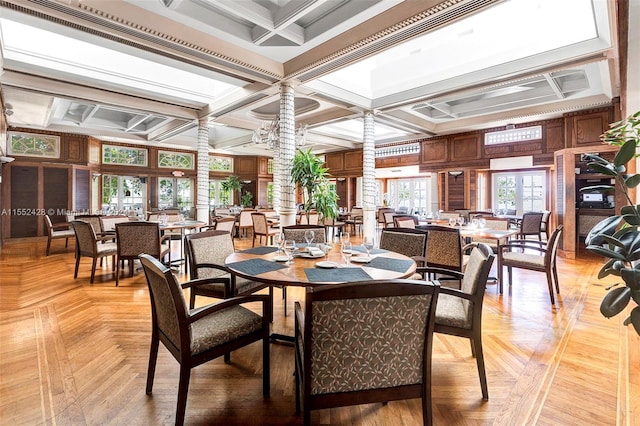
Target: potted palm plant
{"points": [[308, 173], [617, 238], [232, 184]]}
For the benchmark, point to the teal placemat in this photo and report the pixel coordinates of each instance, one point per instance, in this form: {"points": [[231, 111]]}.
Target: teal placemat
{"points": [[336, 275], [260, 250], [390, 264], [255, 266]]}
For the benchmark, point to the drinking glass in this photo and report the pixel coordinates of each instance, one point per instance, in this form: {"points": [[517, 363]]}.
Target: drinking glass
{"points": [[309, 235], [482, 222], [344, 237], [452, 221], [460, 220], [279, 240], [289, 248], [368, 243], [346, 249]]}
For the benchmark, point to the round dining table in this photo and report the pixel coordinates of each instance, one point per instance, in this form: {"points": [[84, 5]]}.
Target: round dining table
{"points": [[262, 264]]}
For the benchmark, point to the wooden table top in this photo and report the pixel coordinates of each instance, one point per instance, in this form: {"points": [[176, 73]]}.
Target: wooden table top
{"points": [[298, 272]]}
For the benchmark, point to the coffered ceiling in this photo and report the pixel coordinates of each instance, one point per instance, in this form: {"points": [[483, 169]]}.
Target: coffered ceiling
{"points": [[148, 71]]}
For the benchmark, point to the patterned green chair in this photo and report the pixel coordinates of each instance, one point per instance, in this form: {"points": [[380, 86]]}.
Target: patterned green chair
{"points": [[364, 342], [459, 311], [407, 241], [87, 245], [206, 252], [197, 336], [136, 237]]}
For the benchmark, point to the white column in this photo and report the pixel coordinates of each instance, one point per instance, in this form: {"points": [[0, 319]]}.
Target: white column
{"points": [[277, 203], [287, 150], [202, 204], [368, 177]]}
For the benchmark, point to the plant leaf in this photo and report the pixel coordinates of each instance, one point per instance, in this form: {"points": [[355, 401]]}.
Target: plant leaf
{"points": [[631, 277], [632, 180], [605, 252], [625, 153], [606, 226], [602, 169], [615, 301], [634, 319]]}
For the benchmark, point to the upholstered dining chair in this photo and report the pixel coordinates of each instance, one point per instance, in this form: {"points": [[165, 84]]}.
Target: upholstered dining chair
{"points": [[404, 221], [108, 223], [544, 225], [382, 219], [495, 223], [407, 241], [355, 220], [459, 311], [88, 245], [311, 219], [94, 221], [206, 252], [364, 342], [261, 228], [225, 224], [534, 256], [244, 222], [444, 247], [296, 233], [531, 224], [194, 337], [57, 233], [136, 237]]}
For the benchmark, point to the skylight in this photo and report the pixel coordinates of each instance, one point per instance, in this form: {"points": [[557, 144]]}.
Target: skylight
{"points": [[354, 130], [512, 30], [41, 48]]}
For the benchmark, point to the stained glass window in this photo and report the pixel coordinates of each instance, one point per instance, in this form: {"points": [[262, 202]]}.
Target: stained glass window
{"points": [[176, 160], [34, 145], [220, 164], [124, 155]]}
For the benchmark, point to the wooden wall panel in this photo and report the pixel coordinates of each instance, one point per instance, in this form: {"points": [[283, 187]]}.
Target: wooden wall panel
{"points": [[465, 147], [24, 199], [82, 190], [334, 161], [553, 136], [353, 160], [589, 128], [56, 190], [434, 151], [246, 166]]}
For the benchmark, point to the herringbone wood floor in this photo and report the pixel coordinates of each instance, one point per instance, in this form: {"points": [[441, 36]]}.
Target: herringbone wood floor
{"points": [[72, 353]]}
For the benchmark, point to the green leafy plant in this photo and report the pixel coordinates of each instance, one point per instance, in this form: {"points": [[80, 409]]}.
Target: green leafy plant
{"points": [[308, 173], [232, 183], [617, 238], [247, 199]]}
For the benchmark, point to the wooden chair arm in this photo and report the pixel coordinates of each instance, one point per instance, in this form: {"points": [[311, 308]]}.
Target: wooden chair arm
{"points": [[454, 292], [201, 281]]}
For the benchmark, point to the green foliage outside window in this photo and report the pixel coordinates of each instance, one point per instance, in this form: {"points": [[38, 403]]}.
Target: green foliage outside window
{"points": [[124, 155], [175, 160]]}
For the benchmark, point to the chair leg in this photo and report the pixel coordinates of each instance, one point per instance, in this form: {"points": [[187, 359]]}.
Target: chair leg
{"points": [[476, 342], [93, 268], [66, 243], [266, 366], [192, 299], [550, 285], [555, 276], [153, 357], [48, 245], [284, 299], [118, 273], [510, 272], [183, 388], [75, 274]]}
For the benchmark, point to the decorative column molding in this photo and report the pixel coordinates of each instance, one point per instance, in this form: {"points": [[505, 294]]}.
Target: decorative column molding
{"points": [[277, 175], [202, 181], [286, 151], [369, 177]]}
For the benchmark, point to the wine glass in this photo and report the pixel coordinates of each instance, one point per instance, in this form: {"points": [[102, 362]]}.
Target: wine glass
{"points": [[279, 240], [309, 235], [460, 220], [368, 243], [452, 221], [344, 237], [346, 249], [289, 248], [482, 222]]}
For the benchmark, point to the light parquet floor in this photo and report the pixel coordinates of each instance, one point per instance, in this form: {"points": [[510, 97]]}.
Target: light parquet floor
{"points": [[72, 353]]}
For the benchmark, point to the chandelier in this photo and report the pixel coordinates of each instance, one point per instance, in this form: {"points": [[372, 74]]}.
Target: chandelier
{"points": [[269, 133]]}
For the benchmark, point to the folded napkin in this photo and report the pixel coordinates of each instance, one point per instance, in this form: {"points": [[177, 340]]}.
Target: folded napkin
{"points": [[315, 251]]}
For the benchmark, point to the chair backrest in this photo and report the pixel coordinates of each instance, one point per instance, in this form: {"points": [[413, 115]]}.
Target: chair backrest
{"points": [[407, 241], [225, 224], [448, 215], [381, 214], [244, 220], [108, 223], [497, 223], [404, 221], [210, 247], [136, 237], [312, 219], [480, 213], [260, 224], [545, 220], [475, 278], [48, 224], [85, 238], [93, 220], [168, 307], [356, 213], [296, 233], [444, 247], [552, 246], [531, 223], [363, 336], [388, 218]]}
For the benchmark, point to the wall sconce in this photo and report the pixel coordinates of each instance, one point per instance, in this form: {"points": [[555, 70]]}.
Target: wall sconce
{"points": [[246, 182], [455, 174], [95, 176], [341, 179]]}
